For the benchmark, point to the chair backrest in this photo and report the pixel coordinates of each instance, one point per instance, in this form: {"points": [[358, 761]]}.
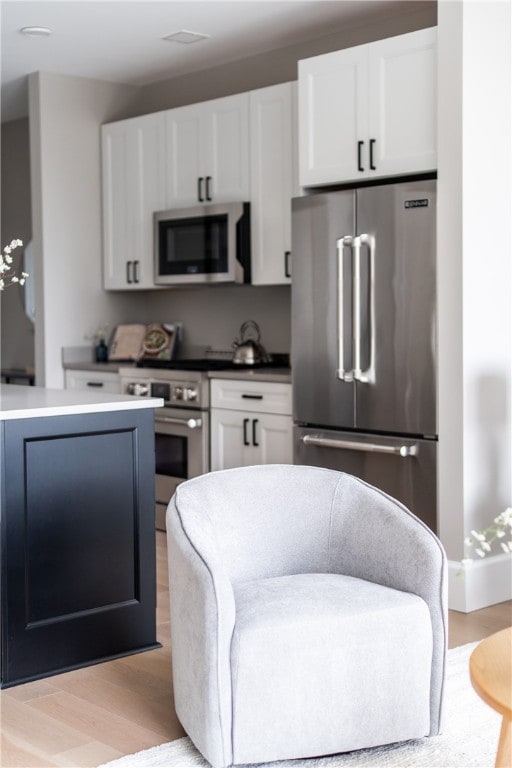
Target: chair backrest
{"points": [[274, 520]]}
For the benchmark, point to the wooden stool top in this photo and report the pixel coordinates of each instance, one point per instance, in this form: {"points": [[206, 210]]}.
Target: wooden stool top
{"points": [[490, 667]]}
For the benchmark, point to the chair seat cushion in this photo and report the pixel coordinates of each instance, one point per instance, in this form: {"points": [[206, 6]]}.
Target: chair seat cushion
{"points": [[359, 655]]}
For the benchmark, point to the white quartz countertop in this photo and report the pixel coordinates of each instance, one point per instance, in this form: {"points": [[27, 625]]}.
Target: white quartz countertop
{"points": [[21, 402]]}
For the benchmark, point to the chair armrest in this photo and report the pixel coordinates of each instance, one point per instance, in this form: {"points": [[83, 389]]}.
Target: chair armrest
{"points": [[375, 537], [202, 621]]}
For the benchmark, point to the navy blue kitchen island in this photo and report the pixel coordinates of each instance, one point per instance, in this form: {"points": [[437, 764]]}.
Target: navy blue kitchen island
{"points": [[78, 581]]}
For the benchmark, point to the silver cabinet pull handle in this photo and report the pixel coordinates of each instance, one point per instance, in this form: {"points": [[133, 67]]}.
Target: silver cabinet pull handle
{"points": [[190, 423], [352, 445]]}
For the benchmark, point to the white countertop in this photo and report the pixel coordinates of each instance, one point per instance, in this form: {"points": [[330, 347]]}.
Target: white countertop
{"points": [[21, 402], [282, 375]]}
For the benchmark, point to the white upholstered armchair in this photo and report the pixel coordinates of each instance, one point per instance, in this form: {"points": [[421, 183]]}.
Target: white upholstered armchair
{"points": [[308, 615]]}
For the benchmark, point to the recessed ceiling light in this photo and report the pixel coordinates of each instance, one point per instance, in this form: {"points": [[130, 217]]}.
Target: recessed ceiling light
{"points": [[185, 36], [36, 31]]}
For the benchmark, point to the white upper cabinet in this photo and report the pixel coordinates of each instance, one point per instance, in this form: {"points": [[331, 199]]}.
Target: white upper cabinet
{"points": [[134, 185], [273, 153], [369, 111], [208, 152]]}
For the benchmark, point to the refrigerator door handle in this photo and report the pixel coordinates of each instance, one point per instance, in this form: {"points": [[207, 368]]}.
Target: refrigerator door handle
{"points": [[356, 307], [368, 375], [352, 445], [342, 373]]}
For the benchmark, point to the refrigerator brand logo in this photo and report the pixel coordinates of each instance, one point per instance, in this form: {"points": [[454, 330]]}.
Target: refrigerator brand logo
{"points": [[423, 203]]}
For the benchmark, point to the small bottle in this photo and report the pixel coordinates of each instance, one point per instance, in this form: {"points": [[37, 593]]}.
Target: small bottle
{"points": [[101, 351]]}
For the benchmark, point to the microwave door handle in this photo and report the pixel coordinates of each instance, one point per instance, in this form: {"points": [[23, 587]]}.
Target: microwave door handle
{"points": [[341, 244], [190, 423]]}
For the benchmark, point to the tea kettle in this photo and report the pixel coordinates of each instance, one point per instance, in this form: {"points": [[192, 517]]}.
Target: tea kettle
{"points": [[248, 350]]}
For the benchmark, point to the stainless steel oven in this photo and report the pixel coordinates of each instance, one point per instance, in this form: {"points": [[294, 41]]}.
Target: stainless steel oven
{"points": [[181, 426]]}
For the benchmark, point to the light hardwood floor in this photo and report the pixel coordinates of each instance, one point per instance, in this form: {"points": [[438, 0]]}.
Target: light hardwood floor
{"points": [[93, 715]]}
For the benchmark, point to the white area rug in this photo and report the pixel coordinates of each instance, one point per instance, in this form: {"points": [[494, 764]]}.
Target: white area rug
{"points": [[469, 738]]}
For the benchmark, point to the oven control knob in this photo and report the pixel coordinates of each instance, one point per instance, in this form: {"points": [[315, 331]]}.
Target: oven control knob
{"points": [[177, 393], [194, 423], [190, 393], [137, 389]]}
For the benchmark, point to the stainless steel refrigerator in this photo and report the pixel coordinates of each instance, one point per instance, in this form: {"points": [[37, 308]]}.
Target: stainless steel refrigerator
{"points": [[364, 337]]}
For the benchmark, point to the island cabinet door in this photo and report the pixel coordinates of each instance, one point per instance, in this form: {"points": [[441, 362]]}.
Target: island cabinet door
{"points": [[78, 546]]}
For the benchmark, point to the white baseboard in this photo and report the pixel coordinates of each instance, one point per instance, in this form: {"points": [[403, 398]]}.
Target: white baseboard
{"points": [[479, 583]]}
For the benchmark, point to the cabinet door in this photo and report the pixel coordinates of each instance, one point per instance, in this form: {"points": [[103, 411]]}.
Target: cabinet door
{"points": [[272, 150], [333, 117], [272, 437], [403, 112], [133, 187], [185, 157], [150, 192], [118, 200], [241, 439], [78, 541], [231, 444], [226, 149]]}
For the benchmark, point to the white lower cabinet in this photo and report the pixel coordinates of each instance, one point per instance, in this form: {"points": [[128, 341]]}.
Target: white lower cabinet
{"points": [[93, 381], [250, 423]]}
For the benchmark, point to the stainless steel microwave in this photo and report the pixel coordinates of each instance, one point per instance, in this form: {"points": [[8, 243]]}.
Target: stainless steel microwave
{"points": [[203, 244]]}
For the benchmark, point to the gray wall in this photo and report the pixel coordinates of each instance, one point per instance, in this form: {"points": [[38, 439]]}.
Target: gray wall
{"points": [[212, 315], [17, 331], [65, 118], [278, 66]]}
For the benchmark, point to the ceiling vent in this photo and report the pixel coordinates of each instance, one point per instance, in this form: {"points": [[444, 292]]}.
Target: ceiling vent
{"points": [[186, 37]]}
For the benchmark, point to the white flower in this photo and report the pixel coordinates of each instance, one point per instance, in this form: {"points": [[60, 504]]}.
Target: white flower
{"points": [[486, 538], [6, 260]]}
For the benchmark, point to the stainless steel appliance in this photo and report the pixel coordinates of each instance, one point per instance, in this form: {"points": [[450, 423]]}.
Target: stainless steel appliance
{"points": [[202, 244], [248, 348], [181, 426], [364, 337]]}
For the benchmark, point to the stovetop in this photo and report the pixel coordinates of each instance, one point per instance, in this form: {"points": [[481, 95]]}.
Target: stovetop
{"points": [[210, 364]]}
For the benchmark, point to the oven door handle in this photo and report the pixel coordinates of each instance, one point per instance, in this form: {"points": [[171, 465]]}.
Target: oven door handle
{"points": [[190, 423]]}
